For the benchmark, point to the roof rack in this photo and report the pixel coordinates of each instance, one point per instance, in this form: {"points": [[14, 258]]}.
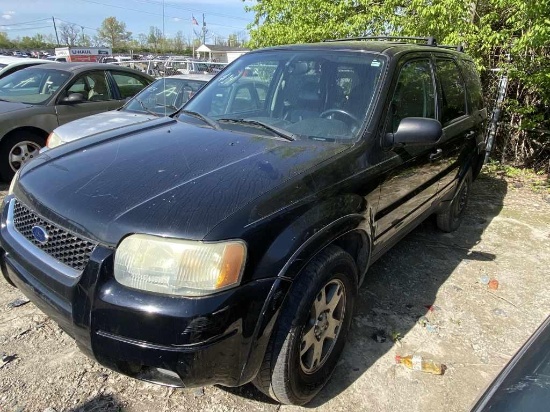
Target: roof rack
{"points": [[429, 41], [459, 47]]}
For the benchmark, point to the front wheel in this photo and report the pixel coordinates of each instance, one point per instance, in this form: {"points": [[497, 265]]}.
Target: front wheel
{"points": [[16, 150], [312, 329]]}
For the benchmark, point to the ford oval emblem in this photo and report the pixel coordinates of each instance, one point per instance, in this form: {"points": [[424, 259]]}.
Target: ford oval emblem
{"points": [[40, 234]]}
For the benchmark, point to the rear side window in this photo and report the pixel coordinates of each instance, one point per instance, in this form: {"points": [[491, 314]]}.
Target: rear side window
{"points": [[453, 91], [473, 84], [128, 84], [414, 94]]}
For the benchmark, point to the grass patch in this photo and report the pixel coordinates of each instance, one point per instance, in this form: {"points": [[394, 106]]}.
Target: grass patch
{"points": [[537, 181]]}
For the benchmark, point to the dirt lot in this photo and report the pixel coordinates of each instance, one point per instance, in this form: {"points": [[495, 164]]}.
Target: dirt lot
{"points": [[471, 329]]}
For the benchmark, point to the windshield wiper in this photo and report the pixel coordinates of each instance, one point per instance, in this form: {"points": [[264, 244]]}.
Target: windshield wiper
{"points": [[205, 119], [168, 106], [145, 107], [277, 131]]}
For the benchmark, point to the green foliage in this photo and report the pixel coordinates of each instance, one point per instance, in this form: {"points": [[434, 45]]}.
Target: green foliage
{"points": [[491, 30], [113, 32]]}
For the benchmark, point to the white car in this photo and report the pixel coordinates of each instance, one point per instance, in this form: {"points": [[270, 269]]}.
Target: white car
{"points": [[9, 65], [163, 97]]}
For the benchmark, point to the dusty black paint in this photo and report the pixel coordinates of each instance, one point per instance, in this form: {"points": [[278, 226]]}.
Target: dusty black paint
{"points": [[286, 200]]}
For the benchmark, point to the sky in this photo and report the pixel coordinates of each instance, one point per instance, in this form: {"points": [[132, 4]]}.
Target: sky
{"points": [[29, 17]]}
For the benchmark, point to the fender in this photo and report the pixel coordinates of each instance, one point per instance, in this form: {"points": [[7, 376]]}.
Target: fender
{"points": [[317, 227]]}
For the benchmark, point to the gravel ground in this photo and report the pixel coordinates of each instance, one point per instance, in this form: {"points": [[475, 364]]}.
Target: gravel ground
{"points": [[470, 328]]}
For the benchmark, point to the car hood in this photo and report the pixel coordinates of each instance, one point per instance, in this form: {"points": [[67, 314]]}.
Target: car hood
{"points": [[7, 107], [100, 123], [170, 178]]}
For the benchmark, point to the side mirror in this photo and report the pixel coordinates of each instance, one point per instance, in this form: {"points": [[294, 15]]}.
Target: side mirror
{"points": [[417, 131], [73, 98]]}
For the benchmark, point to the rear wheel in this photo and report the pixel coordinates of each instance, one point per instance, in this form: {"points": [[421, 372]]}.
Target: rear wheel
{"points": [[16, 150], [450, 219], [312, 329]]}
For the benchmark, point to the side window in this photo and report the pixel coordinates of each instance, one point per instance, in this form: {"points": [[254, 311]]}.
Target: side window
{"points": [[128, 84], [473, 83], [453, 92], [93, 86], [414, 94], [78, 87]]}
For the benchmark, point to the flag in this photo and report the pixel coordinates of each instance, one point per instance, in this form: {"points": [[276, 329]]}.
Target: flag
{"points": [[194, 21]]}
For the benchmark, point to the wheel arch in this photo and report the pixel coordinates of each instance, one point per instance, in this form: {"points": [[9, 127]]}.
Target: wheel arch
{"points": [[32, 129], [350, 232]]}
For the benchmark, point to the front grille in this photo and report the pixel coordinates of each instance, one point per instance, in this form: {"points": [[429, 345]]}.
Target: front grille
{"points": [[61, 244]]}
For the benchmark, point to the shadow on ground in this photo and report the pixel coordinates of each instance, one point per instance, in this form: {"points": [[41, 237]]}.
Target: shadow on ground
{"points": [[100, 403], [403, 284]]}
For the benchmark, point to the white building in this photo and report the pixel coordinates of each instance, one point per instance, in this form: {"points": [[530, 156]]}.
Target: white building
{"points": [[222, 54]]}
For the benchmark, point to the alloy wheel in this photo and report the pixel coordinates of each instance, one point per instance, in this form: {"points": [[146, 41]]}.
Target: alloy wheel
{"points": [[325, 322], [21, 153]]}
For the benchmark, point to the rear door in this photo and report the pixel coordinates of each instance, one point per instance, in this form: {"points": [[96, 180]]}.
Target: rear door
{"points": [[98, 97], [458, 124], [127, 85], [410, 184]]}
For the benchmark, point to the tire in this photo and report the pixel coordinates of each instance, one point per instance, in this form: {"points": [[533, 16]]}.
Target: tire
{"points": [[450, 219], [19, 144], [286, 375]]}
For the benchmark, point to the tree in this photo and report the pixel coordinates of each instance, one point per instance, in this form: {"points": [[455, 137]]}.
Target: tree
{"points": [[68, 33], [5, 42], [178, 42], [113, 33], [155, 37], [85, 40], [233, 40]]}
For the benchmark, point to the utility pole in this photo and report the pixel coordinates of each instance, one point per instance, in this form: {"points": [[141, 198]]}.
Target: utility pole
{"points": [[203, 30], [55, 28]]}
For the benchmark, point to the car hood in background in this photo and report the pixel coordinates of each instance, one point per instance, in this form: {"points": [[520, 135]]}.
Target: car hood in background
{"points": [[166, 178], [101, 122]]}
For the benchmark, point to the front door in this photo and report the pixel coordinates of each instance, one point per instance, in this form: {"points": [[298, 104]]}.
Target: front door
{"points": [[410, 184], [97, 93]]}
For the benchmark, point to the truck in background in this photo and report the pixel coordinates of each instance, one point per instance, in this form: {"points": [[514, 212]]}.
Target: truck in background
{"points": [[82, 54]]}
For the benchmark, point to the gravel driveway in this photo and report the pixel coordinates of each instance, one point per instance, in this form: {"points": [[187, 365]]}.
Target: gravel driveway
{"points": [[472, 329]]}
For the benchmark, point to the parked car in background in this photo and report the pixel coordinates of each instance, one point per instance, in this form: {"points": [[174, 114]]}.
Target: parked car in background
{"points": [[226, 244], [56, 59], [36, 100], [161, 98], [9, 65]]}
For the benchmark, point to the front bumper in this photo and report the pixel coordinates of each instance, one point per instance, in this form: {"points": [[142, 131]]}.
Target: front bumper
{"points": [[218, 339]]}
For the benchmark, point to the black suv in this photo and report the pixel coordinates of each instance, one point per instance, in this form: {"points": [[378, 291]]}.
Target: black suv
{"points": [[226, 243]]}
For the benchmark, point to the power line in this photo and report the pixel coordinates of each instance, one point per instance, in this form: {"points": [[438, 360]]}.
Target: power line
{"points": [[76, 24], [175, 6], [22, 23], [153, 14]]}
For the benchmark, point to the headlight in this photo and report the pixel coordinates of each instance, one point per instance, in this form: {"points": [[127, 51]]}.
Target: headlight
{"points": [[13, 182], [178, 267], [53, 141]]}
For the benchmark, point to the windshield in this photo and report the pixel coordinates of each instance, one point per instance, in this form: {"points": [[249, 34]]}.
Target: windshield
{"points": [[314, 95], [164, 96], [33, 86]]}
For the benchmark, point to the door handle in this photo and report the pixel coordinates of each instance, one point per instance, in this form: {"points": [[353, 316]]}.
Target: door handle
{"points": [[438, 154]]}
